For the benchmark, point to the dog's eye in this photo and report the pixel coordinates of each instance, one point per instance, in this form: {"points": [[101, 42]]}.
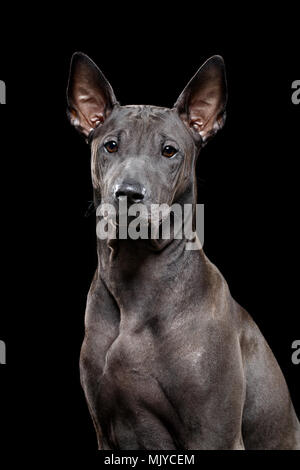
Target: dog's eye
{"points": [[111, 146], [168, 151]]}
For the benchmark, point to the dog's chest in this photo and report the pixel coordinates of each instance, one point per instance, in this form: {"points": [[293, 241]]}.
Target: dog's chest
{"points": [[152, 382]]}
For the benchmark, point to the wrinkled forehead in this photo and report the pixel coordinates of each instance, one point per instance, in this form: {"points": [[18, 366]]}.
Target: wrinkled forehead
{"points": [[146, 121], [151, 115]]}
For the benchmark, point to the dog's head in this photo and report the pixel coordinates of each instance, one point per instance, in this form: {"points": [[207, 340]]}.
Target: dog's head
{"points": [[146, 153]]}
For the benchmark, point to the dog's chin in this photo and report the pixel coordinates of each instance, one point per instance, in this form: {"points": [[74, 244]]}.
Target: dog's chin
{"points": [[123, 225]]}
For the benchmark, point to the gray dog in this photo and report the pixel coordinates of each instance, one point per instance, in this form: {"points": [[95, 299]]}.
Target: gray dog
{"points": [[169, 359]]}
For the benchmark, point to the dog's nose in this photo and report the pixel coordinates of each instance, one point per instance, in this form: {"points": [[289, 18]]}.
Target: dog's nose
{"points": [[134, 191]]}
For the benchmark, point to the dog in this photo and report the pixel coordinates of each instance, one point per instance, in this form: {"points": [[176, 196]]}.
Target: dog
{"points": [[169, 359]]}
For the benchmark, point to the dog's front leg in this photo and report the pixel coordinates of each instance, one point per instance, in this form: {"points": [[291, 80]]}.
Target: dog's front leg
{"points": [[101, 329]]}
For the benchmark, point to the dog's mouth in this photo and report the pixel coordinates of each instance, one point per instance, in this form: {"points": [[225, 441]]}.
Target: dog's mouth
{"points": [[132, 228]]}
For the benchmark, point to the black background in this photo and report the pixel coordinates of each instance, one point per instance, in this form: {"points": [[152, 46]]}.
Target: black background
{"points": [[247, 178]]}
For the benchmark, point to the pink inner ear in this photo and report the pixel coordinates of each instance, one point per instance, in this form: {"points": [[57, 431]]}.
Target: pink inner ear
{"points": [[79, 120], [92, 105], [199, 114], [203, 108]]}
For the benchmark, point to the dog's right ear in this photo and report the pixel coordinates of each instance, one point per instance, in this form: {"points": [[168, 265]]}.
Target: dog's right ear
{"points": [[90, 97]]}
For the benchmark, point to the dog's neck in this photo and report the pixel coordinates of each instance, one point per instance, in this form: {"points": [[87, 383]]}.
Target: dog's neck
{"points": [[142, 281]]}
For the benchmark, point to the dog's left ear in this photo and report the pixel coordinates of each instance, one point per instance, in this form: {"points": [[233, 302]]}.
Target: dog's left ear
{"points": [[202, 103], [90, 96]]}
